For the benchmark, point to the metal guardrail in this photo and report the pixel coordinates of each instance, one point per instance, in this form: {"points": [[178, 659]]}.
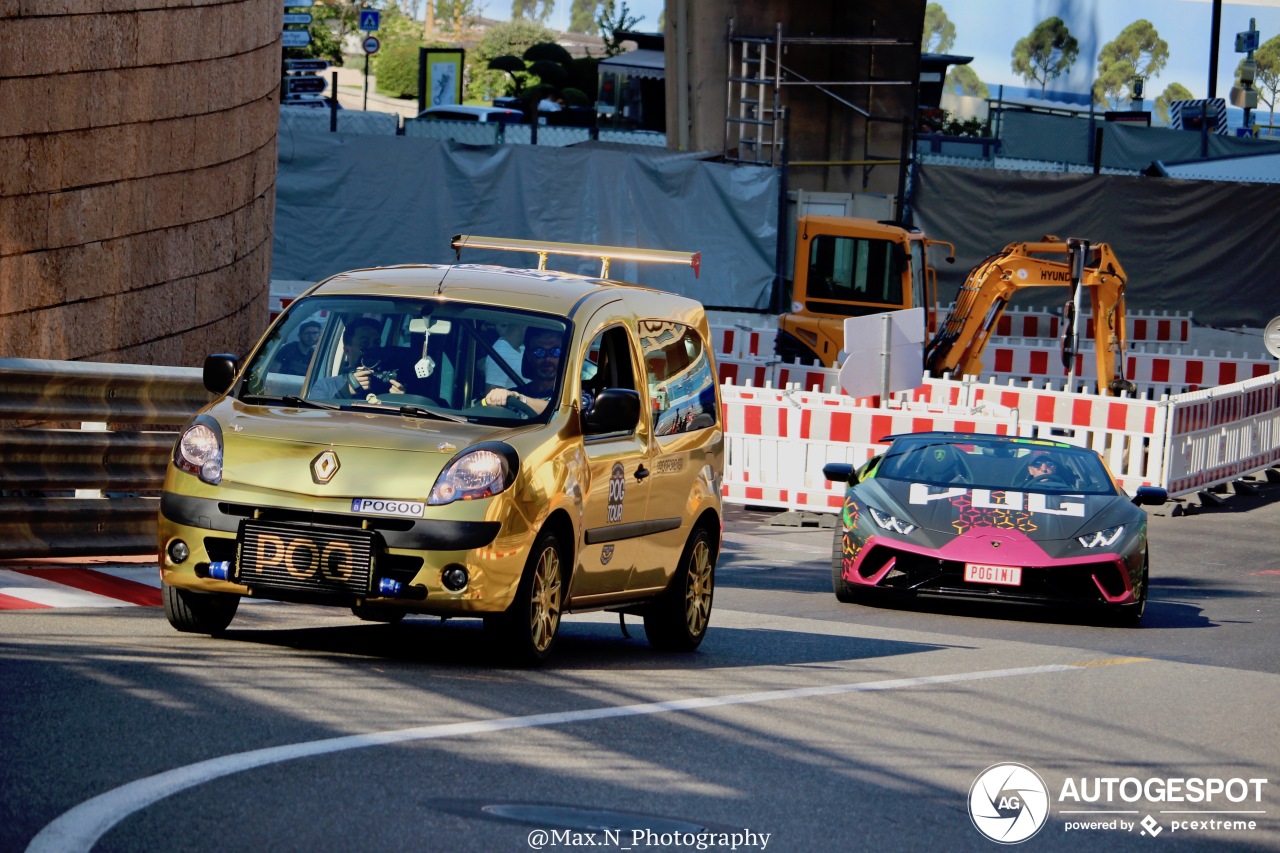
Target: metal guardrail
{"points": [[45, 471]]}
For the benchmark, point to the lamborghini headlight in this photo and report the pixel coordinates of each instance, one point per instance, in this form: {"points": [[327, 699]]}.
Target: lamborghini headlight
{"points": [[1102, 538], [889, 522]]}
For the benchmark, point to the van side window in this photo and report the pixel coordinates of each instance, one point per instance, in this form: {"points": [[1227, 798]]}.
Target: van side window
{"points": [[608, 364], [681, 383]]}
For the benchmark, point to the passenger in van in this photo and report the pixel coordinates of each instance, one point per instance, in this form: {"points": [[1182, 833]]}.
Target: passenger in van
{"points": [[353, 380], [505, 338]]}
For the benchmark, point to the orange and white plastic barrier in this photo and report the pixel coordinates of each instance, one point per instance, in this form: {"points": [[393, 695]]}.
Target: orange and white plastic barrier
{"points": [[778, 440]]}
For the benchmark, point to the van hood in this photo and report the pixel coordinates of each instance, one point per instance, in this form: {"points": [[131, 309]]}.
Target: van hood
{"points": [[272, 448]]}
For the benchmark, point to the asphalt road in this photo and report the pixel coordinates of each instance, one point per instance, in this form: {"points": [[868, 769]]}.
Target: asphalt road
{"points": [[801, 723]]}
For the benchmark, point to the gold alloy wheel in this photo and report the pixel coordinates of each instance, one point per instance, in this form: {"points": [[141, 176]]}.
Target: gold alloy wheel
{"points": [[697, 592], [545, 600]]}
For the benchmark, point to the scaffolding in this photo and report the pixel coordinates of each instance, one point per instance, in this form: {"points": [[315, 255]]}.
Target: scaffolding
{"points": [[756, 113]]}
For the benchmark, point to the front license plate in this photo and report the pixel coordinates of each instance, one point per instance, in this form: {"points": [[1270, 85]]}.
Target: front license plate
{"points": [[1003, 575]]}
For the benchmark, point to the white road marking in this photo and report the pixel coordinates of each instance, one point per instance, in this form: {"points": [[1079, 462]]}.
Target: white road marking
{"points": [[147, 575], [79, 828]]}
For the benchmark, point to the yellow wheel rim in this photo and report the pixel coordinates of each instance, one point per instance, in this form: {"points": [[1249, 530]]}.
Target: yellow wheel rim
{"points": [[697, 594], [545, 611]]}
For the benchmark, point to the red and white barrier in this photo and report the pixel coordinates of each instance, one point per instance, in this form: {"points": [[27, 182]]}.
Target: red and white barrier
{"points": [[1221, 434]]}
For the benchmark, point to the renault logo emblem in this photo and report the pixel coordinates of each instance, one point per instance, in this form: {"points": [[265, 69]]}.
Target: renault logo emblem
{"points": [[324, 466]]}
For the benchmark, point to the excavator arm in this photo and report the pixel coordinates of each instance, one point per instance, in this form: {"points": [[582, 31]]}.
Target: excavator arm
{"points": [[957, 347]]}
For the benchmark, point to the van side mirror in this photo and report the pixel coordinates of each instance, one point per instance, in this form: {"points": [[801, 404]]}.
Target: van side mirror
{"points": [[220, 371], [615, 410], [840, 472]]}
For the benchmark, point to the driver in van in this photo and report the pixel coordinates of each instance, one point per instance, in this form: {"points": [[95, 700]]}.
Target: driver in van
{"points": [[543, 349]]}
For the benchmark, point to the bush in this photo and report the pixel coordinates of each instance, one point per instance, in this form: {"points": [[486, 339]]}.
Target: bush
{"points": [[396, 67]]}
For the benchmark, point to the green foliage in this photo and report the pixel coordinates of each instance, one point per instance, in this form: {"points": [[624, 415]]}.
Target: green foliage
{"points": [[964, 80], [1137, 51], [326, 41], [582, 16], [1048, 52], [507, 39], [612, 22], [1173, 92], [1267, 77], [939, 32], [396, 67], [457, 16], [943, 122], [529, 10]]}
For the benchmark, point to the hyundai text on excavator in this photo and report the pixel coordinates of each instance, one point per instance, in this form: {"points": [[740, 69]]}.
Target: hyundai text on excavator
{"points": [[957, 347], [849, 267]]}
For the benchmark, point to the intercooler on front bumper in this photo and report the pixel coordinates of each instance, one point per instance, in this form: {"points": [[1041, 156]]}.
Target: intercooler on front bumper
{"points": [[311, 560]]}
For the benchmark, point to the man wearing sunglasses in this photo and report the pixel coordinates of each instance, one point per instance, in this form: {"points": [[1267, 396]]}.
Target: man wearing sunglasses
{"points": [[543, 349], [1042, 467]]}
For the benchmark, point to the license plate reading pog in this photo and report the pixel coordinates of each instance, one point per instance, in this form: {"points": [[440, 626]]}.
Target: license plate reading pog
{"points": [[1003, 575]]}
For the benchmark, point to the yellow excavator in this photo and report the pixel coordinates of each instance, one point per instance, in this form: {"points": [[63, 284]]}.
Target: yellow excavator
{"points": [[958, 345]]}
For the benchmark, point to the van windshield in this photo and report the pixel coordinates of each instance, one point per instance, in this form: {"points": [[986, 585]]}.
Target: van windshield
{"points": [[408, 355]]}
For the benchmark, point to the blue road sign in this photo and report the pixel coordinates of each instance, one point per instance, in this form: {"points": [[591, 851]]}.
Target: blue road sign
{"points": [[369, 19]]}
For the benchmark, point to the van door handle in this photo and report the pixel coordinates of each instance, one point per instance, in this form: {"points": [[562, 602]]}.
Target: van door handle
{"points": [[641, 472]]}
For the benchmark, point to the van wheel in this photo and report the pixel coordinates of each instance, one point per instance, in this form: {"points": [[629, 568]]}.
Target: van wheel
{"points": [[678, 620], [199, 612], [527, 631]]}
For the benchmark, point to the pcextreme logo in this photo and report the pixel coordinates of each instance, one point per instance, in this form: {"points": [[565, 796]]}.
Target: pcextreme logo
{"points": [[1008, 803]]}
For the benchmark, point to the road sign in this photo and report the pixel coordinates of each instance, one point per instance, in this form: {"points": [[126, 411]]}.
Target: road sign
{"points": [[371, 44], [369, 19], [305, 84], [306, 64], [295, 38], [297, 19], [298, 4]]}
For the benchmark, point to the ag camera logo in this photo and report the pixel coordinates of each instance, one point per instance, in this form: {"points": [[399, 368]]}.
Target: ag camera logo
{"points": [[1008, 803]]}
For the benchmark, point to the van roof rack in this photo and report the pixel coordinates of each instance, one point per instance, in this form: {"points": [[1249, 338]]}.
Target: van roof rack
{"points": [[582, 250]]}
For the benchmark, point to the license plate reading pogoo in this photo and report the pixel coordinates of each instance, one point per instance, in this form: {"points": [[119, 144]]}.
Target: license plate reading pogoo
{"points": [[1003, 575]]}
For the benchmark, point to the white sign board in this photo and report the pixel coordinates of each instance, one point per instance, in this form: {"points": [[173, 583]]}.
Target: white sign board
{"points": [[865, 372]]}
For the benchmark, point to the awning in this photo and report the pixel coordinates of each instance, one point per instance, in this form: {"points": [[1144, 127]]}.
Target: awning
{"points": [[650, 64]]}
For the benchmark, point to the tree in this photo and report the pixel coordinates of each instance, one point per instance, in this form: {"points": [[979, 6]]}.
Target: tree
{"points": [[1047, 53], [939, 32], [582, 15], [612, 22], [1267, 77], [1137, 52], [528, 10], [964, 80], [458, 16], [507, 39], [1173, 92], [326, 39]]}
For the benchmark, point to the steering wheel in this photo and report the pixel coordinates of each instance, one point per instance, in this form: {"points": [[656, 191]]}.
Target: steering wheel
{"points": [[1046, 479], [520, 407]]}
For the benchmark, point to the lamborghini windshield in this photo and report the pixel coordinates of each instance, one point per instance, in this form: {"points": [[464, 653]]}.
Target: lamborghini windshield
{"points": [[996, 464]]}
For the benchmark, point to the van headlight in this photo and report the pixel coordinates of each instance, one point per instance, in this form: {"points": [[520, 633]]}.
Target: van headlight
{"points": [[482, 471], [198, 450]]}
